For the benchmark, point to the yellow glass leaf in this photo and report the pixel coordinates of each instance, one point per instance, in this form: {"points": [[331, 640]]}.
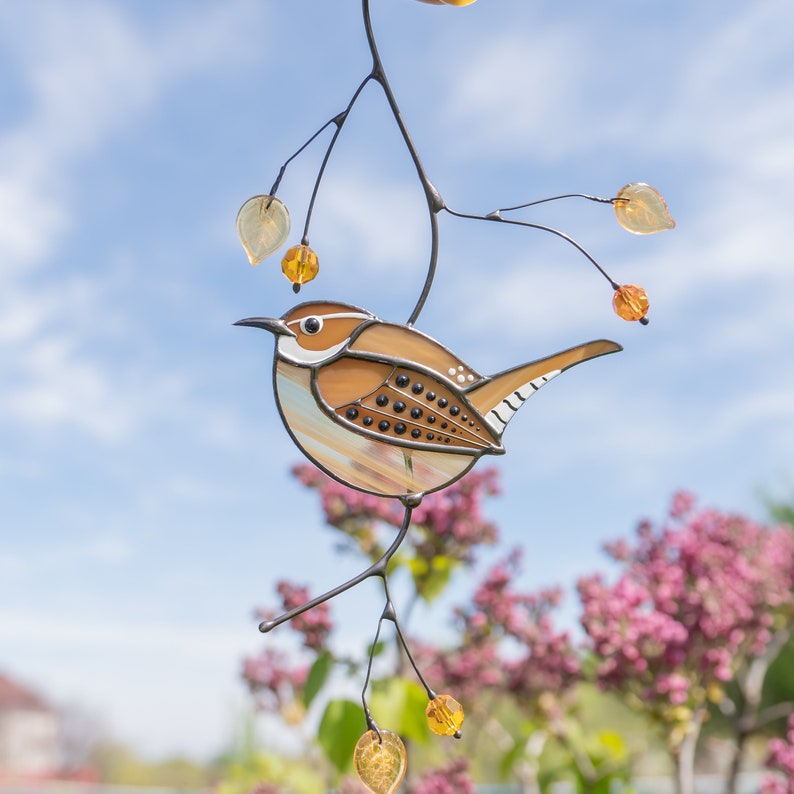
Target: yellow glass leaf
{"points": [[642, 210], [630, 302], [458, 2], [380, 762], [262, 226], [444, 715], [300, 264]]}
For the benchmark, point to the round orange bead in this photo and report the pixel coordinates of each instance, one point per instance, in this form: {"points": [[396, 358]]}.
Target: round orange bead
{"points": [[300, 264], [630, 302], [444, 715]]}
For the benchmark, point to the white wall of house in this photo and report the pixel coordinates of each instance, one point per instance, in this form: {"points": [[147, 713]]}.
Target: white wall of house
{"points": [[29, 743]]}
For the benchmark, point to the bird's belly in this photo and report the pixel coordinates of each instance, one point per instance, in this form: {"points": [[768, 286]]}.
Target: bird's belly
{"points": [[367, 464]]}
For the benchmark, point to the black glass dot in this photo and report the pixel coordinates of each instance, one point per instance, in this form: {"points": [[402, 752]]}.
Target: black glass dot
{"points": [[351, 413], [446, 441], [430, 436], [399, 406], [444, 425], [402, 381], [471, 424], [442, 402], [417, 388], [431, 395], [400, 428], [416, 432], [431, 420], [465, 418], [454, 411], [367, 420], [383, 425], [381, 400], [416, 413]]}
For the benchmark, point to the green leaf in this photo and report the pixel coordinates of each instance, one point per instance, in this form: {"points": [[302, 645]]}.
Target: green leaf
{"points": [[380, 646], [614, 745], [432, 575], [318, 675], [399, 705], [340, 728]]}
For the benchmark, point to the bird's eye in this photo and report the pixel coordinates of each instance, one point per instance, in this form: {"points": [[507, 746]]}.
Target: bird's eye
{"points": [[311, 325]]}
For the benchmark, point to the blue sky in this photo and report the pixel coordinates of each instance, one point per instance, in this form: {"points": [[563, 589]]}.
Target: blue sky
{"points": [[145, 500]]}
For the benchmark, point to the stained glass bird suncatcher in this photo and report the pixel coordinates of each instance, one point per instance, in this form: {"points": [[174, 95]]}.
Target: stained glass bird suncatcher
{"points": [[387, 410], [384, 408]]}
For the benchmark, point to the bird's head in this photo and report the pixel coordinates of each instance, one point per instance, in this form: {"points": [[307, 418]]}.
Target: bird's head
{"points": [[312, 332]]}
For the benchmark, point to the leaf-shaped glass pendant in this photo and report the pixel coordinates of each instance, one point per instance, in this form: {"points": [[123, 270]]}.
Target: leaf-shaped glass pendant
{"points": [[444, 715], [262, 226], [642, 210], [380, 761]]}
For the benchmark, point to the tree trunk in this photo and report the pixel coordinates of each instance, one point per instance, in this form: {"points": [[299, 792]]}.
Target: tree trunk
{"points": [[684, 757], [749, 721]]}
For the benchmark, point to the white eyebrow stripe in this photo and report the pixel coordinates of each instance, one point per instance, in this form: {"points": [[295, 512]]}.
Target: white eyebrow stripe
{"points": [[337, 316]]}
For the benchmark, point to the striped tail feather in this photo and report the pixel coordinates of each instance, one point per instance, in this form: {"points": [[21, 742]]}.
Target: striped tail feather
{"points": [[498, 398]]}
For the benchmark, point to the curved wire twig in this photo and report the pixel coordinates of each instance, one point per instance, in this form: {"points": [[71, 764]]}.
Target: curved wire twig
{"points": [[378, 568], [434, 201]]}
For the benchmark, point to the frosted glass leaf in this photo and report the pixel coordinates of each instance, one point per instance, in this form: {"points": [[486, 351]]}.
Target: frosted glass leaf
{"points": [[262, 226], [444, 715], [642, 210], [380, 763]]}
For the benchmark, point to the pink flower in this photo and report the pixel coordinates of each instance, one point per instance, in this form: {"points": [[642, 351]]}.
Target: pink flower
{"points": [[695, 599], [452, 778]]}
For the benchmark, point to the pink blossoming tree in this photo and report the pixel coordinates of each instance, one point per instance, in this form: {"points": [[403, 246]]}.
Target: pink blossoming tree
{"points": [[781, 760], [702, 600]]}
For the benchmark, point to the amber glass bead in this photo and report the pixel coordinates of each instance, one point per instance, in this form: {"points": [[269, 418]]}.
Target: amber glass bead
{"points": [[444, 715], [641, 209], [630, 302], [262, 226], [300, 264], [380, 761]]}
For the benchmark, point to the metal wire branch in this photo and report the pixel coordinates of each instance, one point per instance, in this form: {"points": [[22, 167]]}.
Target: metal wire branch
{"points": [[378, 568], [497, 217]]}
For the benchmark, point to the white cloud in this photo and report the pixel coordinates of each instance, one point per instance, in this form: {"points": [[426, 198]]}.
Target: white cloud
{"points": [[89, 72], [500, 97]]}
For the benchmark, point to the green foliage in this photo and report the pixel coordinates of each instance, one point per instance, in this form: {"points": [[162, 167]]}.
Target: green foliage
{"points": [[400, 704], [780, 511], [431, 575], [779, 683], [295, 776], [317, 677], [117, 765], [340, 728]]}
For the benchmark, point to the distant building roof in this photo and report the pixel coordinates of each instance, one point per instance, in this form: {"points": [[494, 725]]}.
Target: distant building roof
{"points": [[15, 696]]}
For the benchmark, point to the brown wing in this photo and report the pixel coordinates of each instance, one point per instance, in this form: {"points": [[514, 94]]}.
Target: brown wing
{"points": [[385, 340], [401, 404]]}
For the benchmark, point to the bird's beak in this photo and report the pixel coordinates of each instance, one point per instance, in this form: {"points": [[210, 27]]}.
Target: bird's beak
{"points": [[275, 326]]}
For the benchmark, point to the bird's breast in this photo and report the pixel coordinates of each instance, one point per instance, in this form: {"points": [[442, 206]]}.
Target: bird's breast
{"points": [[362, 460]]}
